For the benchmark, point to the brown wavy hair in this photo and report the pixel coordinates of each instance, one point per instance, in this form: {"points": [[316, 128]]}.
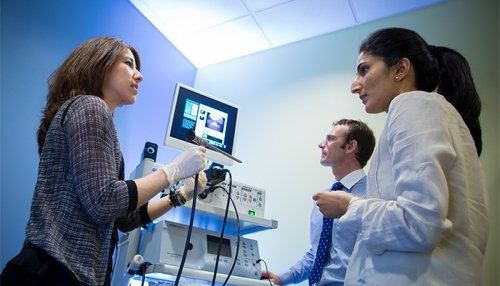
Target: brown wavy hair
{"points": [[83, 72]]}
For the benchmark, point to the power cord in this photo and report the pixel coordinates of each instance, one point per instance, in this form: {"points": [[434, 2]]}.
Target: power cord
{"points": [[142, 271], [190, 228], [135, 267], [267, 270], [237, 239], [223, 228]]}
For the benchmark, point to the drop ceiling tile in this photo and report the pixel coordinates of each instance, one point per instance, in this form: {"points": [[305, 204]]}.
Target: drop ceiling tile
{"points": [[229, 40], [182, 17], [302, 19], [369, 10], [258, 5]]}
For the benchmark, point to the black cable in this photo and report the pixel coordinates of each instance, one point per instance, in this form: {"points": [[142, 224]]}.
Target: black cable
{"points": [[190, 228], [223, 228], [267, 270], [238, 233], [142, 271], [237, 240]]}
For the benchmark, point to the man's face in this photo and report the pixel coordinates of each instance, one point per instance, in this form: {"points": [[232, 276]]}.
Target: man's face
{"points": [[333, 146]]}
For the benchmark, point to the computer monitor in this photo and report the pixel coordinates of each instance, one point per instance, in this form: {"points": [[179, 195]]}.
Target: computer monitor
{"points": [[211, 118]]}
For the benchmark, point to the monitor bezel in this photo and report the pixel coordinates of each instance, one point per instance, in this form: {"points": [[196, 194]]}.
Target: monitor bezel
{"points": [[184, 144]]}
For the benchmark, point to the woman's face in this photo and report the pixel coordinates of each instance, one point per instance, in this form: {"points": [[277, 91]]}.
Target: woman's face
{"points": [[122, 81], [374, 83]]}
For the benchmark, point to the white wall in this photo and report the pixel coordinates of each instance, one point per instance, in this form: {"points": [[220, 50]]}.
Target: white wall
{"points": [[290, 95]]}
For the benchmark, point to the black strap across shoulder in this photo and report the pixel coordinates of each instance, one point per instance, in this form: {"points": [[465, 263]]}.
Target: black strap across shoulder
{"points": [[66, 111]]}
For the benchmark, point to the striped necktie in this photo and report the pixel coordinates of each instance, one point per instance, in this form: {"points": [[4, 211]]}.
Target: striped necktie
{"points": [[324, 243]]}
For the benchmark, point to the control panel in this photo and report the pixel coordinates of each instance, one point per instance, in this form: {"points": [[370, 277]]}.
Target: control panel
{"points": [[248, 199]]}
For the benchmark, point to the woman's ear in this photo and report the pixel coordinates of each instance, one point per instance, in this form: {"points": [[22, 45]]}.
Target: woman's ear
{"points": [[402, 69]]}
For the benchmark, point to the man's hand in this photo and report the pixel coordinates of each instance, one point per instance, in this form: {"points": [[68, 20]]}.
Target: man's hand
{"points": [[267, 275], [333, 204]]}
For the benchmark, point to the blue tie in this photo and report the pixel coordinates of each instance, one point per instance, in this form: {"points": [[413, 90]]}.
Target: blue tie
{"points": [[324, 242]]}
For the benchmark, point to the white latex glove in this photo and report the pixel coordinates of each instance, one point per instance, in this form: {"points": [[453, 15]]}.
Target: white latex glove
{"points": [[187, 189], [186, 165]]}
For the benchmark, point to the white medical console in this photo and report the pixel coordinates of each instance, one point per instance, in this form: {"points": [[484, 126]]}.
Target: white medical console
{"points": [[165, 244], [162, 243]]}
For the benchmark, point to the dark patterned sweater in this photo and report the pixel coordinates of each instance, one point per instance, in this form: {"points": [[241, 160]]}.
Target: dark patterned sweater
{"points": [[80, 197]]}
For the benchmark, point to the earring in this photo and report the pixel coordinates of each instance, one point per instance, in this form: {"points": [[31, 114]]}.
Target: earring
{"points": [[397, 78]]}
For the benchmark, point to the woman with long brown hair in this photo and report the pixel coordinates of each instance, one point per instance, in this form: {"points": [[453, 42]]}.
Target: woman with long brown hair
{"points": [[81, 197]]}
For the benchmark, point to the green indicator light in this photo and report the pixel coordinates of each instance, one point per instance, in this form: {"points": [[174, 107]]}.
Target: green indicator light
{"points": [[251, 213]]}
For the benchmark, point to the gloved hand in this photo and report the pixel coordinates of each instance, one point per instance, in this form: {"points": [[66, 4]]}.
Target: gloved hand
{"points": [[187, 190], [186, 165]]}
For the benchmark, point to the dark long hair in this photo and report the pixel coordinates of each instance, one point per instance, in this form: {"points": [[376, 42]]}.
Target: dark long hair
{"points": [[83, 72], [436, 68]]}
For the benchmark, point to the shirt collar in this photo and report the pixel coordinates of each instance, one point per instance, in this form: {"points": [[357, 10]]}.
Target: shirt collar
{"points": [[352, 178]]}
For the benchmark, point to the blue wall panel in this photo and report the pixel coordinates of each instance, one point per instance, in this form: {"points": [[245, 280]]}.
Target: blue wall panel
{"points": [[36, 37]]}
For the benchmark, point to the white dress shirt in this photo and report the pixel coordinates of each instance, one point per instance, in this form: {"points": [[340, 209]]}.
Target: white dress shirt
{"points": [[341, 245]]}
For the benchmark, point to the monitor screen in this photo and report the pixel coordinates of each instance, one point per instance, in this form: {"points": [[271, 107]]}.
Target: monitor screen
{"points": [[211, 119], [213, 246]]}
